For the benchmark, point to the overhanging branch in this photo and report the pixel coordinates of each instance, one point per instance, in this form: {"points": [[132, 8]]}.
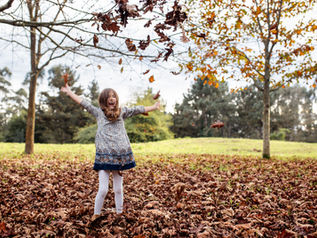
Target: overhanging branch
{"points": [[21, 23], [6, 6]]}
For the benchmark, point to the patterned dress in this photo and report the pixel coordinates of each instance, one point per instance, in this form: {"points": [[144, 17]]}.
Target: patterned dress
{"points": [[113, 149]]}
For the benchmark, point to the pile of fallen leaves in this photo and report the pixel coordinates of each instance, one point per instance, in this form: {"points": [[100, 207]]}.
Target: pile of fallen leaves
{"points": [[200, 196]]}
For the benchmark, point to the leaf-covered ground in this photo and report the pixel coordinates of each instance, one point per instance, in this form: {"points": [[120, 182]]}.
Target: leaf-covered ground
{"points": [[199, 196]]}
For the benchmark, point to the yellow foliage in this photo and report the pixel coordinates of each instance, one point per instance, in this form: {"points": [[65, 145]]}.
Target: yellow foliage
{"points": [[189, 67]]}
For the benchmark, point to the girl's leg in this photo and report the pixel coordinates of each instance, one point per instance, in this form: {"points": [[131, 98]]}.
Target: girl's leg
{"points": [[102, 191], [118, 190]]}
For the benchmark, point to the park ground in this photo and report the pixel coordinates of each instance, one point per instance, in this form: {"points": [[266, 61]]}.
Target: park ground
{"points": [[204, 187]]}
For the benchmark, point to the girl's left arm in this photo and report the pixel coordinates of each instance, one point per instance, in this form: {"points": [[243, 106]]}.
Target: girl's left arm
{"points": [[154, 107]]}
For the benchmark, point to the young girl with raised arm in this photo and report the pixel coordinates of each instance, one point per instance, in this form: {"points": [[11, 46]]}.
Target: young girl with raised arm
{"points": [[113, 149]]}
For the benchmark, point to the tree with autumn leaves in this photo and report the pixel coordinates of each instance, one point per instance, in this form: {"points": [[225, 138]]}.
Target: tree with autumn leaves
{"points": [[268, 43]]}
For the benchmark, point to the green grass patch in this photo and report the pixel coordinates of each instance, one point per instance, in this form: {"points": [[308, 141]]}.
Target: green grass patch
{"points": [[215, 146], [227, 146]]}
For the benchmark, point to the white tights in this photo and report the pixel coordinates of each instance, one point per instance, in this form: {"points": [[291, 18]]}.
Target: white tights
{"points": [[103, 190]]}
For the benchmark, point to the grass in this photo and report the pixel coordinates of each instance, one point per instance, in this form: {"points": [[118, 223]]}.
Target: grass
{"points": [[222, 146], [228, 146]]}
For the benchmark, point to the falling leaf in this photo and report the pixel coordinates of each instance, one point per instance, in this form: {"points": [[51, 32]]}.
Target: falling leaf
{"points": [[151, 79], [65, 77], [146, 72], [148, 23], [130, 45], [95, 39], [274, 26], [99, 66], [144, 44], [217, 124], [157, 95], [121, 70], [120, 61]]}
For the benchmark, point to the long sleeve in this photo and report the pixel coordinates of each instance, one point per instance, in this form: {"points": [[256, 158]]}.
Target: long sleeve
{"points": [[90, 108], [129, 112]]}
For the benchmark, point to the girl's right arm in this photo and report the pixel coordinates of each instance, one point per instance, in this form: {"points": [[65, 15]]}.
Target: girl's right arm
{"points": [[90, 108], [76, 98]]}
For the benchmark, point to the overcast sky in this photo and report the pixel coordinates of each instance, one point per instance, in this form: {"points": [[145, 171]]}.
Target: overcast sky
{"points": [[127, 83]]}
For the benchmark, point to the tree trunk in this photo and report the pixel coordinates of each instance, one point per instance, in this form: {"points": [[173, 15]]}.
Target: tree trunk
{"points": [[30, 124], [266, 120]]}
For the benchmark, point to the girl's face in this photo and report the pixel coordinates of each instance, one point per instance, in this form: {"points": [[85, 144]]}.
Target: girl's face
{"points": [[112, 100]]}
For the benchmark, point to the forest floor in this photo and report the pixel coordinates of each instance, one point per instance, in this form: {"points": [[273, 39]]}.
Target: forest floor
{"points": [[167, 195]]}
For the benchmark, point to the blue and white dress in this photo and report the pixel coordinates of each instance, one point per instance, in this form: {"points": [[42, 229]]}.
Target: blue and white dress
{"points": [[113, 148]]}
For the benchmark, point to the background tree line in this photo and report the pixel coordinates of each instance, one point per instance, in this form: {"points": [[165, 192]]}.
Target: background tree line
{"points": [[292, 114], [60, 120]]}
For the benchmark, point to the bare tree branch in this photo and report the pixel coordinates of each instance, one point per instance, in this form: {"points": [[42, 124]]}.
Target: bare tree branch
{"points": [[21, 23], [6, 6], [14, 41]]}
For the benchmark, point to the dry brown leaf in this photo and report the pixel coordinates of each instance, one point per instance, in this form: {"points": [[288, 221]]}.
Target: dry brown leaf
{"points": [[45, 194]]}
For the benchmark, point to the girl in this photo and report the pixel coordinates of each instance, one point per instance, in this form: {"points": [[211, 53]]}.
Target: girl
{"points": [[113, 149]]}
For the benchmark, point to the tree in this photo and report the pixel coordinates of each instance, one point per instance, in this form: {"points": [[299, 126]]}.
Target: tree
{"points": [[292, 112], [93, 92], [15, 129], [12, 105], [153, 127], [58, 117], [202, 106], [269, 43], [139, 128], [4, 84], [247, 121], [13, 118], [86, 135], [55, 28], [6, 5], [309, 117]]}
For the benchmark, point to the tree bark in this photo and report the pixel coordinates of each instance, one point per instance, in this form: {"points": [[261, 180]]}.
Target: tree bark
{"points": [[266, 119], [30, 124]]}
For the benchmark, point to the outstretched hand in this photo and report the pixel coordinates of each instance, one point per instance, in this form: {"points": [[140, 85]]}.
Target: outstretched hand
{"points": [[65, 89], [154, 107], [157, 105]]}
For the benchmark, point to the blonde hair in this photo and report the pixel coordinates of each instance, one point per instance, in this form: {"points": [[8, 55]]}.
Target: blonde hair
{"points": [[111, 114]]}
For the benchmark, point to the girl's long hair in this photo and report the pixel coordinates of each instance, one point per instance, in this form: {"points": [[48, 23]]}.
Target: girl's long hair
{"points": [[111, 114]]}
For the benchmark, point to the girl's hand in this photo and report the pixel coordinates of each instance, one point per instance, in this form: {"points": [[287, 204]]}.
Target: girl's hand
{"points": [[65, 89], [157, 105], [154, 107], [76, 98]]}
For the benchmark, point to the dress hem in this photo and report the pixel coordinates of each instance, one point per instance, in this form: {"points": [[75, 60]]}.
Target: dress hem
{"points": [[113, 166]]}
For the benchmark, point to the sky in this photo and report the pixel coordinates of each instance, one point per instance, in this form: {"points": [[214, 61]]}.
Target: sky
{"points": [[126, 83]]}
